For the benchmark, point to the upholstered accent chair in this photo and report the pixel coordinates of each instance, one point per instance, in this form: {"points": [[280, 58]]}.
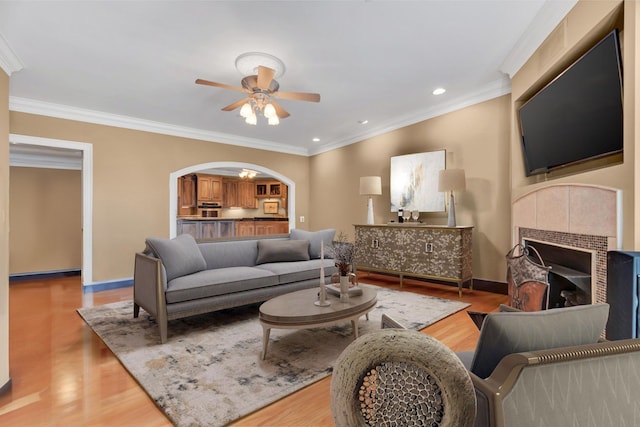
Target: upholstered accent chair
{"points": [[400, 377], [508, 347], [584, 385]]}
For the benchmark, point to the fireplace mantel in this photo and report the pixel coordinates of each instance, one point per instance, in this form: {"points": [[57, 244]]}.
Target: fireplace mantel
{"points": [[573, 215]]}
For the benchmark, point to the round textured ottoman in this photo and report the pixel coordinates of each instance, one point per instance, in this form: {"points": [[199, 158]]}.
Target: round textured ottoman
{"points": [[398, 377]]}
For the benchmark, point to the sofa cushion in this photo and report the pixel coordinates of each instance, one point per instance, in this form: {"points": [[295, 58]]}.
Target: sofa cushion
{"points": [[229, 254], [315, 238], [221, 281], [515, 332], [289, 272], [282, 251], [180, 256]]}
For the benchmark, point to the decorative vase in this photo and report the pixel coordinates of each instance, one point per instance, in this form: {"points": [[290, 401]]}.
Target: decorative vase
{"points": [[344, 288]]}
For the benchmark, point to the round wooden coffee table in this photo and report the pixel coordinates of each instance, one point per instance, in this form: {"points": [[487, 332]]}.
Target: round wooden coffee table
{"points": [[297, 310]]}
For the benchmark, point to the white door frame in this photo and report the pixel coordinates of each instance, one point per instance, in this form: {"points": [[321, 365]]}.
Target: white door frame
{"points": [[87, 193], [173, 188]]}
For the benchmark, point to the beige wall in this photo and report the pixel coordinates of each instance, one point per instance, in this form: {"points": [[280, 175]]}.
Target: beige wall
{"points": [[585, 24], [46, 220], [131, 181], [131, 168], [4, 228], [476, 139]]}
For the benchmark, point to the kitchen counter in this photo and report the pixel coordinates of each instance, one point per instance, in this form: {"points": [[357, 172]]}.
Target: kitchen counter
{"points": [[205, 228], [202, 218]]}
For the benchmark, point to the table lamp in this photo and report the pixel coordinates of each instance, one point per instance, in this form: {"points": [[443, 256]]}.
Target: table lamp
{"points": [[370, 186], [451, 180]]}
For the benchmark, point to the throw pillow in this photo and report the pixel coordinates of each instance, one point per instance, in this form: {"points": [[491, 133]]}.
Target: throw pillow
{"points": [[282, 251], [180, 256], [314, 238]]}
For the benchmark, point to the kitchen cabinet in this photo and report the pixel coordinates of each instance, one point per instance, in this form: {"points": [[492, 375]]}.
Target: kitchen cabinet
{"points": [[247, 194], [238, 194], [206, 229], [187, 227], [271, 227], [270, 189], [187, 202], [431, 252], [245, 228], [230, 193], [209, 188]]}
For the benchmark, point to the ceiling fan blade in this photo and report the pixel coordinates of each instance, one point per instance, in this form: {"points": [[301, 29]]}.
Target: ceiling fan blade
{"points": [[298, 96], [222, 85], [265, 75], [236, 105], [281, 112]]}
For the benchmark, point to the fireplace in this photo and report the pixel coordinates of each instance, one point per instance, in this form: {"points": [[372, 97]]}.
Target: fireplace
{"points": [[570, 279], [585, 219]]}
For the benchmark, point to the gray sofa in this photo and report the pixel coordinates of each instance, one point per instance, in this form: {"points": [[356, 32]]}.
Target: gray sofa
{"points": [[175, 278]]}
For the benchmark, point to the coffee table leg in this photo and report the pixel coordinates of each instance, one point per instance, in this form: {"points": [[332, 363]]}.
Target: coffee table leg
{"points": [[265, 340], [354, 325]]}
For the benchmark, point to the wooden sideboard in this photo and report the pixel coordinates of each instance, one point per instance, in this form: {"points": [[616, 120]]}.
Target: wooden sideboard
{"points": [[416, 250]]}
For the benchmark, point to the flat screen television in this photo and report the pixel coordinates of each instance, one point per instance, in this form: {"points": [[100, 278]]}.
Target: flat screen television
{"points": [[578, 116]]}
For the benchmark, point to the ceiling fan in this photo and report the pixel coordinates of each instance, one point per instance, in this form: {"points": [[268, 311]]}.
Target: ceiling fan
{"points": [[261, 90]]}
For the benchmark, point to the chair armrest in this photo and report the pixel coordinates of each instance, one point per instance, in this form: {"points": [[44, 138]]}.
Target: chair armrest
{"points": [[389, 322], [149, 284]]}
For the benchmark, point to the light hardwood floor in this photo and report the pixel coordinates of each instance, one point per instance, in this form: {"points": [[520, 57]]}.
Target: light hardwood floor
{"points": [[63, 375]]}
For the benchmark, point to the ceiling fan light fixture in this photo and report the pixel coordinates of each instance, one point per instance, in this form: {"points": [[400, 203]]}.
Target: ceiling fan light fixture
{"points": [[246, 110], [270, 111], [251, 120], [273, 121]]}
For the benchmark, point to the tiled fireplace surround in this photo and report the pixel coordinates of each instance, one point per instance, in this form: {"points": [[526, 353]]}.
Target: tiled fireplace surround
{"points": [[583, 217]]}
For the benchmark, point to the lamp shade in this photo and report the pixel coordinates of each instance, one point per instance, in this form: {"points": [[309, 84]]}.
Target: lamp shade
{"points": [[451, 180], [370, 185]]}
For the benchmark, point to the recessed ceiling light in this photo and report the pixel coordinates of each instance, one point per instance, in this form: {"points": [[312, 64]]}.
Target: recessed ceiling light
{"points": [[439, 91], [363, 122], [316, 139]]}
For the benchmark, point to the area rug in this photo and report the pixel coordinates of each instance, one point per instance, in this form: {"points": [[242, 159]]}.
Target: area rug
{"points": [[210, 371]]}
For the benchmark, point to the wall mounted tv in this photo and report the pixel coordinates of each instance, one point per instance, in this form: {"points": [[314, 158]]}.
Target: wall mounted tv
{"points": [[578, 116]]}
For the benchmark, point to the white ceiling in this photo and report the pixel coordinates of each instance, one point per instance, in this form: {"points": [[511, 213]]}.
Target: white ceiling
{"points": [[134, 63]]}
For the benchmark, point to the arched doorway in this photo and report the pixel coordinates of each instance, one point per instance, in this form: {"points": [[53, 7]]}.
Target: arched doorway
{"points": [[173, 187]]}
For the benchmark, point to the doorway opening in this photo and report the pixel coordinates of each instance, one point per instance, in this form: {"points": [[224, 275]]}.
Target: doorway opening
{"points": [[59, 146]]}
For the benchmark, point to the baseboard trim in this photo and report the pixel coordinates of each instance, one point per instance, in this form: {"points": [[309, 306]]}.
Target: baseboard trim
{"points": [[108, 285], [490, 286], [478, 284], [41, 275], [6, 387]]}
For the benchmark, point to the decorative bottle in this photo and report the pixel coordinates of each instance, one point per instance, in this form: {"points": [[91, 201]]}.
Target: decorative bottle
{"points": [[400, 215]]}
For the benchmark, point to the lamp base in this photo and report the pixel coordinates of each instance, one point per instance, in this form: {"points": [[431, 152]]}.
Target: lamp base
{"points": [[452, 212], [370, 211]]}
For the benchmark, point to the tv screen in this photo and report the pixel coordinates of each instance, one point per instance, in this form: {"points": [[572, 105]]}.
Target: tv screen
{"points": [[578, 116]]}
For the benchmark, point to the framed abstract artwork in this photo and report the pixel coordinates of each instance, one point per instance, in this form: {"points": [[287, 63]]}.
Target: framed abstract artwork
{"points": [[414, 182]]}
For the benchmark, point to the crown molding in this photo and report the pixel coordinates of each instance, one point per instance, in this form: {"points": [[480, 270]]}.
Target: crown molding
{"points": [[492, 90], [9, 61], [32, 106], [44, 161], [545, 21]]}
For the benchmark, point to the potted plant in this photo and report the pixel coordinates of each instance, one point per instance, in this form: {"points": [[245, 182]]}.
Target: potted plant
{"points": [[342, 252]]}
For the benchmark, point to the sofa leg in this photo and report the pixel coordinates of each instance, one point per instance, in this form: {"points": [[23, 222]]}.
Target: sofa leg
{"points": [[136, 310], [163, 331]]}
